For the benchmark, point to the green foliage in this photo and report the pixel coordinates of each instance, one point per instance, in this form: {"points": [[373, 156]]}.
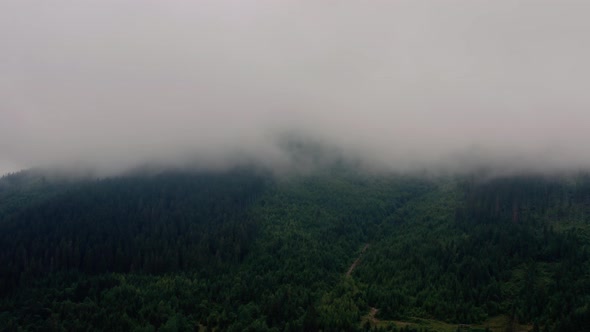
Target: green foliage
{"points": [[241, 251]]}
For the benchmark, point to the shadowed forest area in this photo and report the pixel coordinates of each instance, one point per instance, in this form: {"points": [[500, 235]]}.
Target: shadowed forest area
{"points": [[245, 251]]}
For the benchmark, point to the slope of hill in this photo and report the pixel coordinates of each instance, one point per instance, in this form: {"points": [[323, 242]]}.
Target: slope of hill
{"points": [[242, 250]]}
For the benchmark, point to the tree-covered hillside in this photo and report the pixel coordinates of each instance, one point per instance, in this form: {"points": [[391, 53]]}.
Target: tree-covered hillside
{"points": [[334, 250]]}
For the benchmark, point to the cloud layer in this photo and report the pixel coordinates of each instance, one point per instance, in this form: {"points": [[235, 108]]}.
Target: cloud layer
{"points": [[402, 85]]}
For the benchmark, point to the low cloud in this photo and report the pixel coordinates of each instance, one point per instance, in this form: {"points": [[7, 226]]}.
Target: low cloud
{"points": [[395, 85]]}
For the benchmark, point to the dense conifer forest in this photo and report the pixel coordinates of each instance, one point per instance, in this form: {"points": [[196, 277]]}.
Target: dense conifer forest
{"points": [[335, 250]]}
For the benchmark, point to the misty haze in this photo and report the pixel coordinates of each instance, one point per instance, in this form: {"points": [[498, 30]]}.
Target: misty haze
{"points": [[401, 84], [294, 165]]}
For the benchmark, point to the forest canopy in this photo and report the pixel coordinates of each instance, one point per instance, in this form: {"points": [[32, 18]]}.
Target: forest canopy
{"points": [[334, 250]]}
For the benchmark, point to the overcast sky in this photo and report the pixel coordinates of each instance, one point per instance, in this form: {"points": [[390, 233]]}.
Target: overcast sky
{"points": [[400, 84]]}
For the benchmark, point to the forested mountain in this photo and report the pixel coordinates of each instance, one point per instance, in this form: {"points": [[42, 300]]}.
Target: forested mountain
{"points": [[335, 250]]}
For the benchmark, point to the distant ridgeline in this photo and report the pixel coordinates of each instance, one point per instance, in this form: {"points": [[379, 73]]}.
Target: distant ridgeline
{"points": [[333, 250]]}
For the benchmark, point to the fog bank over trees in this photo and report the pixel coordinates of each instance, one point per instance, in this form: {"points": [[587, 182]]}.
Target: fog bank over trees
{"points": [[403, 86]]}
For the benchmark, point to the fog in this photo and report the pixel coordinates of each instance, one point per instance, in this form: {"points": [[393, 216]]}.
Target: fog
{"points": [[394, 85]]}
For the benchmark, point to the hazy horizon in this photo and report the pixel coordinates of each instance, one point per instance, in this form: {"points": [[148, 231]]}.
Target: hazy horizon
{"points": [[397, 85]]}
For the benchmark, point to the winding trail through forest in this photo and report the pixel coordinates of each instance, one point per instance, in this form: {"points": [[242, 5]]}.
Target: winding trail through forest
{"points": [[371, 317], [373, 311], [357, 261]]}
